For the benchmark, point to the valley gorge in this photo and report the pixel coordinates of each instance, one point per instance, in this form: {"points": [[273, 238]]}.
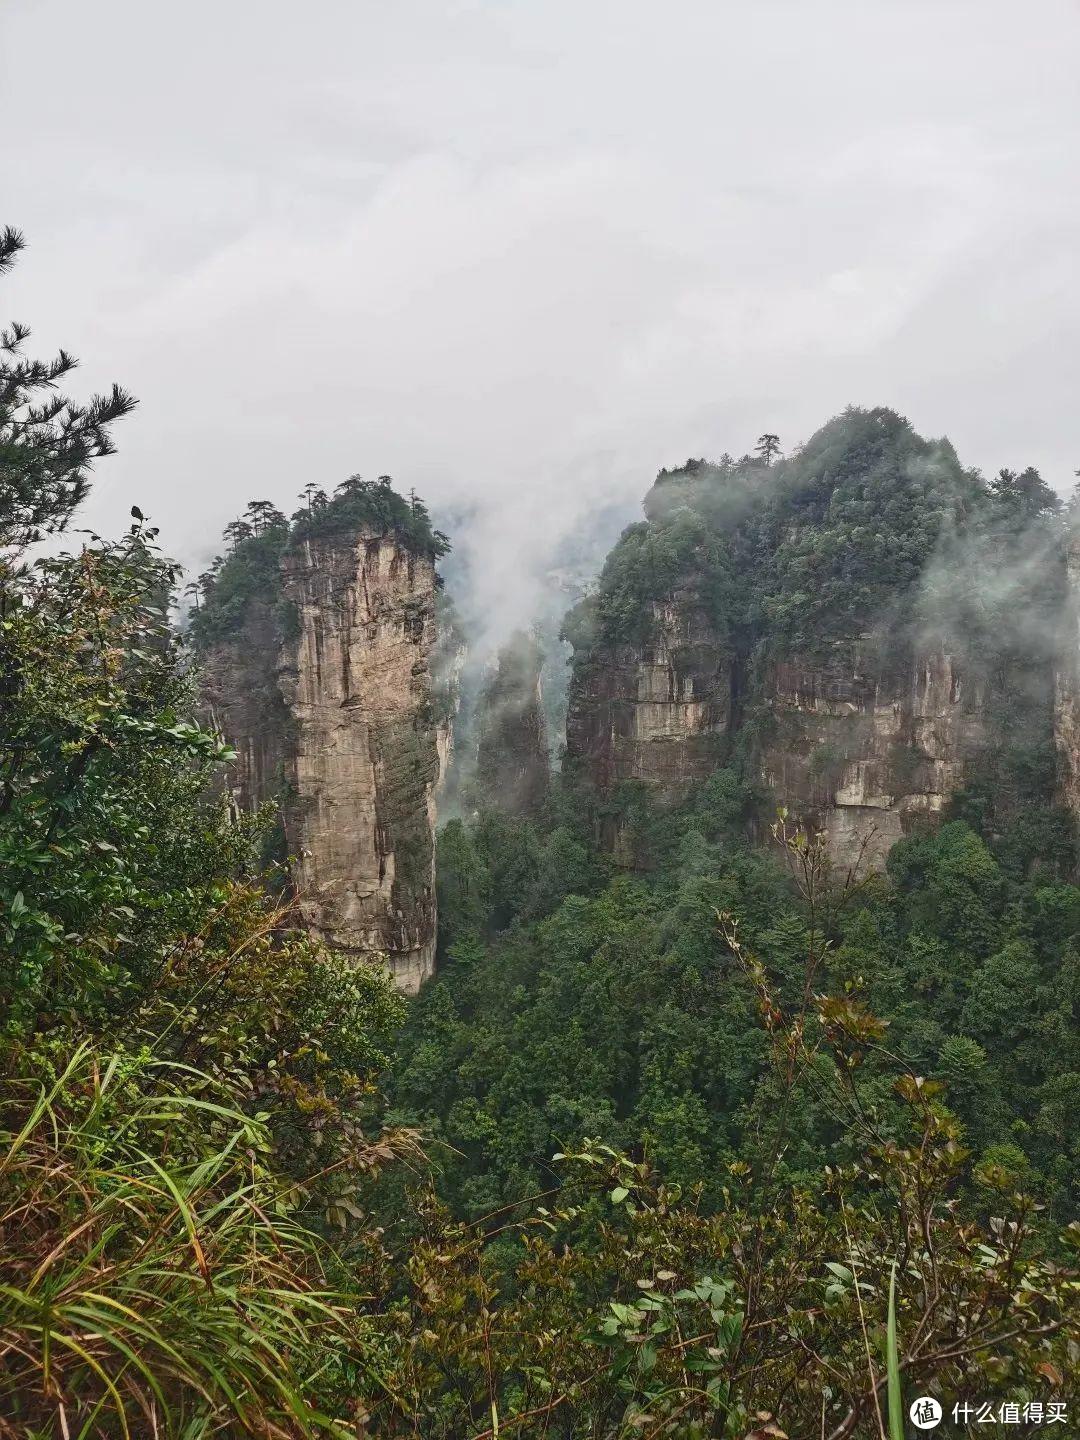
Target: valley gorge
{"points": [[579, 938], [869, 702], [512, 762]]}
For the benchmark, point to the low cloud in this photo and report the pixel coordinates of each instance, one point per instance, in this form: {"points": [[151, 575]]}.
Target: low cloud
{"points": [[521, 256]]}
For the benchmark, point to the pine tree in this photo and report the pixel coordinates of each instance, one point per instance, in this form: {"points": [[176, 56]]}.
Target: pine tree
{"points": [[352, 485], [1026, 491], [767, 447], [237, 531], [47, 441], [263, 515]]}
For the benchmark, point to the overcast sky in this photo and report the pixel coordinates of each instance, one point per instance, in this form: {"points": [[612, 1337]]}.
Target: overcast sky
{"points": [[525, 252]]}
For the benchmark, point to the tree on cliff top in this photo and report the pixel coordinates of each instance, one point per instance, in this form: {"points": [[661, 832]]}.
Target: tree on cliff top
{"points": [[257, 540], [802, 557], [768, 447], [263, 515], [358, 503], [1026, 492]]}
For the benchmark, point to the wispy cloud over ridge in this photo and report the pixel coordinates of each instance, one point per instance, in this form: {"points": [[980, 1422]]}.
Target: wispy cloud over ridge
{"points": [[522, 255]]}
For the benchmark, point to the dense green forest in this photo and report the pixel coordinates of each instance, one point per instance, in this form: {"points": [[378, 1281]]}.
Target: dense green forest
{"points": [[723, 1144], [576, 1001]]}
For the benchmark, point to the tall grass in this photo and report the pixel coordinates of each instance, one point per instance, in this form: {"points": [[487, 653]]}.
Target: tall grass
{"points": [[892, 1366], [146, 1289]]}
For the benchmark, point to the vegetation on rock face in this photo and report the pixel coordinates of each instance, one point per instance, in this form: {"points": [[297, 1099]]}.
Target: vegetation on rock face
{"points": [[358, 504], [251, 569], [808, 550], [858, 512], [868, 541], [251, 572], [771, 1091]]}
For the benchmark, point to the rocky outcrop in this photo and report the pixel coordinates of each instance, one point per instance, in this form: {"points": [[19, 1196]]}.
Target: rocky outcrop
{"points": [[870, 744], [653, 712], [360, 817], [326, 695], [865, 745], [864, 626], [513, 768], [447, 663]]}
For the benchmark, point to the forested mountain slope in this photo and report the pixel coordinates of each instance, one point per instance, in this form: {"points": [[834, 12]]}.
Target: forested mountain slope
{"points": [[883, 631], [694, 1135], [871, 637], [882, 645]]}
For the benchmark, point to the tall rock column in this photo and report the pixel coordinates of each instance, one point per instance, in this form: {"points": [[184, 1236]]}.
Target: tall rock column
{"points": [[356, 681]]}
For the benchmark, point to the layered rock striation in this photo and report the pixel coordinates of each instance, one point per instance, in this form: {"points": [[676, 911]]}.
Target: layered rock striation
{"points": [[241, 694], [360, 813], [653, 711], [870, 745], [324, 688], [863, 745]]}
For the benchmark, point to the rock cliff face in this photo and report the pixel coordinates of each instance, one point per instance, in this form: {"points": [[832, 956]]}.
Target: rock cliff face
{"points": [[447, 663], [361, 815], [241, 693], [331, 714], [865, 745], [870, 745], [865, 628], [653, 712]]}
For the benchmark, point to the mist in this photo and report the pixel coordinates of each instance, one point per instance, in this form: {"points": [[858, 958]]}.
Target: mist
{"points": [[520, 257]]}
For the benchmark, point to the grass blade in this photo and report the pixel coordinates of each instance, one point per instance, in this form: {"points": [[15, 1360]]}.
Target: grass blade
{"points": [[892, 1362]]}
